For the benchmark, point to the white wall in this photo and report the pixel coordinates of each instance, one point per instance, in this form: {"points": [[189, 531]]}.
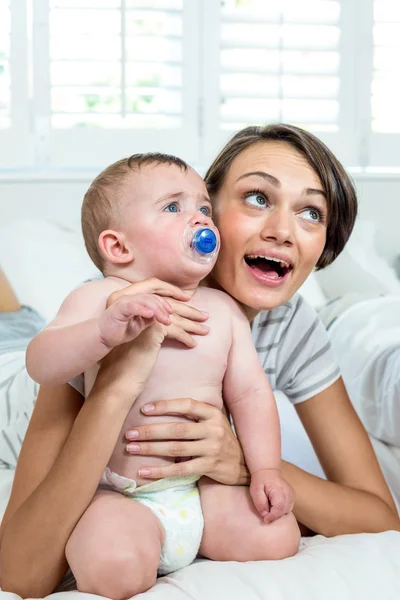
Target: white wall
{"points": [[59, 198], [380, 202]]}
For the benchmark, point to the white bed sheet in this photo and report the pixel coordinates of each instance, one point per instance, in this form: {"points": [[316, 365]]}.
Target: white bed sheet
{"points": [[347, 567]]}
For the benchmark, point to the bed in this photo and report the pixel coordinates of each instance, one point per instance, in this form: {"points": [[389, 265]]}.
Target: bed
{"points": [[349, 567]]}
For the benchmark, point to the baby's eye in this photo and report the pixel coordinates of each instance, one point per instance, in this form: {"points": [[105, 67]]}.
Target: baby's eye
{"points": [[256, 199], [173, 207], [205, 210], [312, 214]]}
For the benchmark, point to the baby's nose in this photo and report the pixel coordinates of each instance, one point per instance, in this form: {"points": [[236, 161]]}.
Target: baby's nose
{"points": [[199, 218]]}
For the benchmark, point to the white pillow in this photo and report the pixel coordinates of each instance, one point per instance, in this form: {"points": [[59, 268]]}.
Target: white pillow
{"points": [[359, 268], [312, 292], [43, 261]]}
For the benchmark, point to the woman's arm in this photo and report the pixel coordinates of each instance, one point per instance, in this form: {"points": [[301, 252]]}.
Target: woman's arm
{"points": [[32, 525], [46, 505], [67, 447], [355, 498], [8, 299], [64, 454]]}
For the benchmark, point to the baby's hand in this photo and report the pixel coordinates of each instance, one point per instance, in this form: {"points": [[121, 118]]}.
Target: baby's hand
{"points": [[273, 497], [129, 315]]}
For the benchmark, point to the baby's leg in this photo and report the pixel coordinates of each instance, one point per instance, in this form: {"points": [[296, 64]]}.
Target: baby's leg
{"points": [[233, 529], [115, 548]]}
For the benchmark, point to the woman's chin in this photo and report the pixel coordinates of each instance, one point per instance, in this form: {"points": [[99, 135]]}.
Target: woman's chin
{"points": [[262, 293]]}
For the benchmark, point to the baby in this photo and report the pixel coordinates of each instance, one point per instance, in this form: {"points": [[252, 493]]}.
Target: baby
{"points": [[150, 216]]}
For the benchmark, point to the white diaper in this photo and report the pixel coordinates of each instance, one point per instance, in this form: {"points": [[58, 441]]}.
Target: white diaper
{"points": [[176, 503]]}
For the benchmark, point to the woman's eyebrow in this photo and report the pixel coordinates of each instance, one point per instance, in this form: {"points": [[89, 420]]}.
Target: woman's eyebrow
{"points": [[313, 192], [277, 183], [262, 174]]}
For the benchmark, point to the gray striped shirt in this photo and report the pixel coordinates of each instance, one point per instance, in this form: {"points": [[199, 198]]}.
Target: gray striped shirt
{"points": [[294, 350]]}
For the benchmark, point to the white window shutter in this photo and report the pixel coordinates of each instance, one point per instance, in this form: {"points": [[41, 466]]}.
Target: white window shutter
{"points": [[16, 147], [385, 84], [277, 62], [5, 77], [115, 77]]}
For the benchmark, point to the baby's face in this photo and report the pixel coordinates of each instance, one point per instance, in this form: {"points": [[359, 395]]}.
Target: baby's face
{"points": [[159, 203]]}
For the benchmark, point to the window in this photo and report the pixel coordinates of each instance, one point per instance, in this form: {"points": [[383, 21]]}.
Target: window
{"points": [[277, 61], [385, 84], [385, 74], [5, 80], [15, 140], [124, 68], [123, 81], [84, 82]]}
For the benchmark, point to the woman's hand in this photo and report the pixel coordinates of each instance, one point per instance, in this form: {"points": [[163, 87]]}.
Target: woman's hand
{"points": [[208, 440]]}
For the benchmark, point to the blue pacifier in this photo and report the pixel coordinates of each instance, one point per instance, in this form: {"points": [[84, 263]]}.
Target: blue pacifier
{"points": [[202, 243], [205, 241]]}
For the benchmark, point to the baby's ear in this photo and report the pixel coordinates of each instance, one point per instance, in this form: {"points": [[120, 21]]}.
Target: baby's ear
{"points": [[114, 247]]}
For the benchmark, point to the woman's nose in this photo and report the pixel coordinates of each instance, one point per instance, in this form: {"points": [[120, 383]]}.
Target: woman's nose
{"points": [[278, 227]]}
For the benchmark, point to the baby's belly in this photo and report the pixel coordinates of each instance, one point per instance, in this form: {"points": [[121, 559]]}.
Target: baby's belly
{"points": [[179, 373], [128, 465]]}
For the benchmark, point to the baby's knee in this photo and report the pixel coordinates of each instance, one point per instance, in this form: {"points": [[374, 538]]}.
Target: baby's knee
{"points": [[118, 574], [275, 541], [286, 539]]}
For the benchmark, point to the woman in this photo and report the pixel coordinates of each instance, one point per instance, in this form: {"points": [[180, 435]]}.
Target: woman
{"points": [[284, 205]]}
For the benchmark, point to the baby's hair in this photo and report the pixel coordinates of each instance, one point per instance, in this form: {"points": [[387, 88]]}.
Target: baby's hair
{"points": [[101, 203]]}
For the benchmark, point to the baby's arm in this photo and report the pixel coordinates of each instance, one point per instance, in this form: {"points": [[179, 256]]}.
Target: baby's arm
{"points": [[249, 398], [84, 330]]}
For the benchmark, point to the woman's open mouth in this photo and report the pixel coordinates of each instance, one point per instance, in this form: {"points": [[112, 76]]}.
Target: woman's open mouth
{"points": [[268, 269]]}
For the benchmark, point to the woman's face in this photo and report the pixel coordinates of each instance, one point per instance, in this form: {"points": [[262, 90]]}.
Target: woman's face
{"points": [[272, 214]]}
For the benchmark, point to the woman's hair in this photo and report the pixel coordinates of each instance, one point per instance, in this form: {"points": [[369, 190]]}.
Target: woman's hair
{"points": [[339, 189]]}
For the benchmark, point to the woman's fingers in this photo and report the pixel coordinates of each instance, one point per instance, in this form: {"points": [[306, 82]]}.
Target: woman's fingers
{"points": [[156, 286], [187, 311], [207, 436], [181, 430], [141, 305], [189, 326], [197, 466], [176, 333], [174, 448], [187, 407], [150, 286], [159, 306]]}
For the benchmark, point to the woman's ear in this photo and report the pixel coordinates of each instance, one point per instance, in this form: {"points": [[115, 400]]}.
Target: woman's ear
{"points": [[114, 247]]}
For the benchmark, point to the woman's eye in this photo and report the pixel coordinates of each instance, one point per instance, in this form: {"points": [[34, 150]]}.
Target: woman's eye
{"points": [[312, 214], [173, 207], [256, 199], [205, 210]]}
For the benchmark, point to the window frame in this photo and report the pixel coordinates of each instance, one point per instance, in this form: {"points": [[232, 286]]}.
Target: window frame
{"points": [[342, 143], [16, 143], [94, 147]]}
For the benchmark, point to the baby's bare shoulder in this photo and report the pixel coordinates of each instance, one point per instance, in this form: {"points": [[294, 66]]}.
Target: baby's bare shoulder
{"points": [[89, 298], [104, 285], [219, 301]]}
